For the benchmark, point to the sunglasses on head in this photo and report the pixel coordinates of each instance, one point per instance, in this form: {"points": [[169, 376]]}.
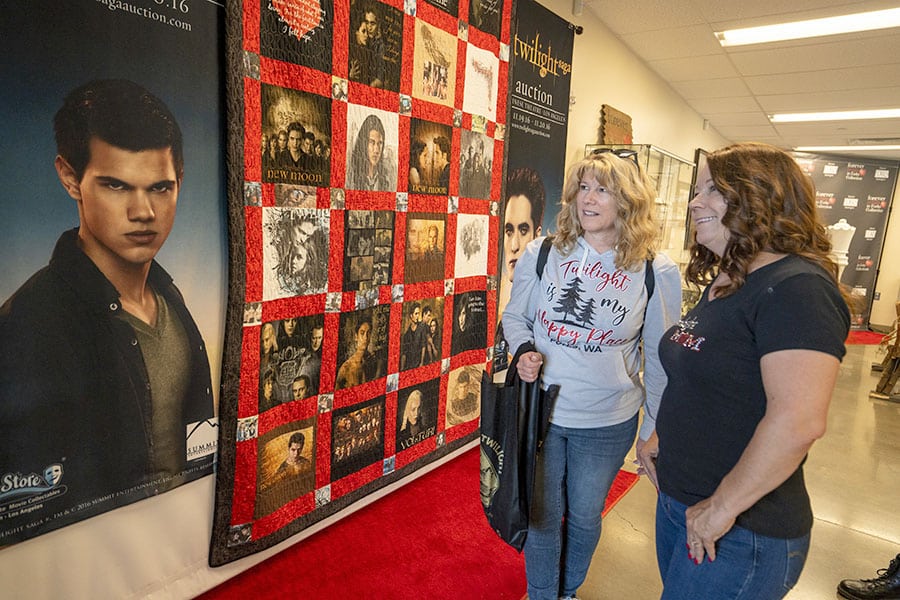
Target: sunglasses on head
{"points": [[624, 153]]}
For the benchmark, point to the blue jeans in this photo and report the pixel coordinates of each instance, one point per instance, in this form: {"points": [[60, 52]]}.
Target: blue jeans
{"points": [[748, 566], [575, 469]]}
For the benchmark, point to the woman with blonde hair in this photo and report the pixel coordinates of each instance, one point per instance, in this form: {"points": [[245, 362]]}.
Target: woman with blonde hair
{"points": [[603, 295]]}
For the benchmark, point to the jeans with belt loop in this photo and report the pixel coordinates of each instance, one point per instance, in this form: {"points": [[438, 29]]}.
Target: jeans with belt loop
{"points": [[748, 566], [574, 472]]}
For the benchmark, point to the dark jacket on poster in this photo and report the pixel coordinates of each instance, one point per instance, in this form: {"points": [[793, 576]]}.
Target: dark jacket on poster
{"points": [[74, 390]]}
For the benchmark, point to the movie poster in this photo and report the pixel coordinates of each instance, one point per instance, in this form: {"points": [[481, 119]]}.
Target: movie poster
{"points": [[853, 198], [540, 72], [104, 399]]}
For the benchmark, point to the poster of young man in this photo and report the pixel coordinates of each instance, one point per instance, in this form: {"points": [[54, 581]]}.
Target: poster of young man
{"points": [[540, 70], [371, 149], [425, 239], [286, 465], [113, 280], [463, 395], [363, 345]]}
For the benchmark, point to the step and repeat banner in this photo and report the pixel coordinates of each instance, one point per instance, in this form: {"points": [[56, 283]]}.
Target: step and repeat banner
{"points": [[112, 276], [853, 197]]}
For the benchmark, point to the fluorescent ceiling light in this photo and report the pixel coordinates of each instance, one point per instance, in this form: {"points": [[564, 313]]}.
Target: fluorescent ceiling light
{"points": [[845, 148], [877, 19], [845, 115]]}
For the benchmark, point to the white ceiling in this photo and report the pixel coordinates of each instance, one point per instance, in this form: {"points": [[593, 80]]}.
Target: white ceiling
{"points": [[736, 88]]}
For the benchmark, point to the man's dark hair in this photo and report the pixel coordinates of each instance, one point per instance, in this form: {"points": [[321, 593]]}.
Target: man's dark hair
{"points": [[443, 143], [526, 182], [297, 438], [304, 378], [296, 126], [120, 113]]}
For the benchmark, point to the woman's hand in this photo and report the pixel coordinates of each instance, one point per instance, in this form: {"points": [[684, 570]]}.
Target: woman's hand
{"points": [[706, 523], [529, 365], [647, 451]]}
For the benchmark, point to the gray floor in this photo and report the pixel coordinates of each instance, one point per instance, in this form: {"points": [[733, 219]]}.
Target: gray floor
{"points": [[853, 476]]}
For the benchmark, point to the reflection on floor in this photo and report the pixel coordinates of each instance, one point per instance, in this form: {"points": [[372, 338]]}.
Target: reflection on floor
{"points": [[853, 477]]}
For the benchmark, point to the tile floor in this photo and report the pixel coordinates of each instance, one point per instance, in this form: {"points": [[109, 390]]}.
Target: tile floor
{"points": [[853, 477]]}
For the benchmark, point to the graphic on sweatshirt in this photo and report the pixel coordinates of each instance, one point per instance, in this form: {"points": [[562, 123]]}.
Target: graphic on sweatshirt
{"points": [[587, 307]]}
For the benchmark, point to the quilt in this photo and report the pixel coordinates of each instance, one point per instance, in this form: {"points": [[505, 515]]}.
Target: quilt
{"points": [[364, 157]]}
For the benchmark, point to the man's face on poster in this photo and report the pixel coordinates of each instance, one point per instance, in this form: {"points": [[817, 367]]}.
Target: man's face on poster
{"points": [[415, 316], [433, 237], [370, 20], [295, 138], [126, 203], [299, 390], [363, 334], [316, 338], [290, 326], [301, 233], [518, 230], [295, 451], [375, 147], [306, 145], [412, 411]]}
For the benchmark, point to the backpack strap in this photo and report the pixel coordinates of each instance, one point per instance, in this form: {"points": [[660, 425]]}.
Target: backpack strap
{"points": [[542, 255], [649, 279]]}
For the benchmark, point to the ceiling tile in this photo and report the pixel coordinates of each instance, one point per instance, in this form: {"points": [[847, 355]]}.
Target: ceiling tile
{"points": [[716, 66]]}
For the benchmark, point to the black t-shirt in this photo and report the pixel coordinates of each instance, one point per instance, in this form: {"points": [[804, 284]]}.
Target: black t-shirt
{"points": [[715, 396]]}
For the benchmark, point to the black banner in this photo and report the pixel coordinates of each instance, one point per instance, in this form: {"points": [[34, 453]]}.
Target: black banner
{"points": [[853, 196], [540, 73]]}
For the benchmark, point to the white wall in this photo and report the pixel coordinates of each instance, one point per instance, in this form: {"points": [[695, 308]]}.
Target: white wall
{"points": [[604, 71]]}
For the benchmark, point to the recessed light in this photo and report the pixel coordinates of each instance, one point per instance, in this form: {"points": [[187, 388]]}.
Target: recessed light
{"points": [[846, 148], [842, 115], [866, 21]]}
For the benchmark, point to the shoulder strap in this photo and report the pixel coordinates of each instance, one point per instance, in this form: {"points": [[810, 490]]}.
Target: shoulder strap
{"points": [[542, 256], [649, 279]]}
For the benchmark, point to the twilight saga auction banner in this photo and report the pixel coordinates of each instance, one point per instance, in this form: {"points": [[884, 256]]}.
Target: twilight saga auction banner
{"points": [[540, 75]]}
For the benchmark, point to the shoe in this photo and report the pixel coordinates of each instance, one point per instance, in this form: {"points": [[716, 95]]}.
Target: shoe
{"points": [[884, 587]]}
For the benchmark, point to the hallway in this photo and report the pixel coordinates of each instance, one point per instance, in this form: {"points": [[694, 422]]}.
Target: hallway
{"points": [[853, 477]]}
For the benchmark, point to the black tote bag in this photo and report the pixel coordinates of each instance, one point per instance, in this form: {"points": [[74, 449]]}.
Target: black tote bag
{"points": [[514, 419]]}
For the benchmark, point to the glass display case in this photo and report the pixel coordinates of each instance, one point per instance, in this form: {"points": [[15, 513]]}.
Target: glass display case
{"points": [[672, 178]]}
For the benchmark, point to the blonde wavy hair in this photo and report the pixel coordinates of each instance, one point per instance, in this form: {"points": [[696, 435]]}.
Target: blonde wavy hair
{"points": [[637, 233]]}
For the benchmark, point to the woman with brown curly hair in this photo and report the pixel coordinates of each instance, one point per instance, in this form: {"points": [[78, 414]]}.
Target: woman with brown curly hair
{"points": [[751, 369], [584, 318]]}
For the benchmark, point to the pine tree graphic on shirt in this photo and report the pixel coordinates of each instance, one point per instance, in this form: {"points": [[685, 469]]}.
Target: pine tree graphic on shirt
{"points": [[586, 314], [569, 300]]}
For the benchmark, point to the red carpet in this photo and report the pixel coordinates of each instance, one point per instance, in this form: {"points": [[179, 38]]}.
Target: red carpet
{"points": [[429, 539], [864, 337]]}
